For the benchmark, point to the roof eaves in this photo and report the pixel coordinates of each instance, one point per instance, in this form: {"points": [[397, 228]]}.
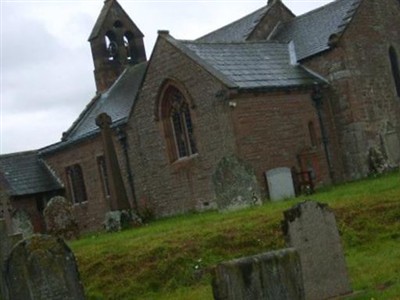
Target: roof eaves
{"points": [[320, 79], [192, 55], [276, 88]]}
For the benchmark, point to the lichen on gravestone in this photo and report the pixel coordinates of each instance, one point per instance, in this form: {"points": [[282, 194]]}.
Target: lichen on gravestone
{"points": [[43, 267], [59, 218], [268, 276], [120, 219], [235, 184], [310, 227], [21, 223]]}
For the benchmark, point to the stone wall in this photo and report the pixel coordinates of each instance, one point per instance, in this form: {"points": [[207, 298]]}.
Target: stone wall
{"points": [[177, 187], [272, 130], [362, 96], [89, 214]]}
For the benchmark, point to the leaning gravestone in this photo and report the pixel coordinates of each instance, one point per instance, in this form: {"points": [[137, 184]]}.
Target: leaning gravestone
{"points": [[310, 228], [59, 218], [42, 268], [274, 275], [280, 183]]}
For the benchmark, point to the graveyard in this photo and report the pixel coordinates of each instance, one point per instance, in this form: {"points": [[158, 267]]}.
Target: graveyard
{"points": [[175, 258]]}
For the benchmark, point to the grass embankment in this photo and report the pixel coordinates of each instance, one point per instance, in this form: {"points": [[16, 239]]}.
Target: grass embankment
{"points": [[172, 258]]}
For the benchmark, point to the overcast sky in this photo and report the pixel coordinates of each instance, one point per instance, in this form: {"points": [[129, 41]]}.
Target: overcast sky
{"points": [[46, 63]]}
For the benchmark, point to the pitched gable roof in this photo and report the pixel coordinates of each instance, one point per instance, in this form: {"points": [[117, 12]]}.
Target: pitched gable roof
{"points": [[237, 31], [248, 65], [24, 173], [117, 102], [311, 32], [105, 11]]}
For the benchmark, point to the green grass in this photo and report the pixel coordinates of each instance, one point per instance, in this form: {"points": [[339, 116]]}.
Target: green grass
{"points": [[173, 258]]}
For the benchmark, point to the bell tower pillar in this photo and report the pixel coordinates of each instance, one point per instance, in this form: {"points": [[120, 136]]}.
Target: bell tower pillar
{"points": [[116, 42]]}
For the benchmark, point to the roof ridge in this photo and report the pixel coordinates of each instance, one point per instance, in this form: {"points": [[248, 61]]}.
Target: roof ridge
{"points": [[266, 7], [233, 42]]}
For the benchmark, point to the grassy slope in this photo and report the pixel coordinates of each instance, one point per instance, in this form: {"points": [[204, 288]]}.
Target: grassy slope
{"points": [[172, 258]]}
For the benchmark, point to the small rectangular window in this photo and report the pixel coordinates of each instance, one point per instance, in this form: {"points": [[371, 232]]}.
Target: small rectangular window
{"points": [[76, 183]]}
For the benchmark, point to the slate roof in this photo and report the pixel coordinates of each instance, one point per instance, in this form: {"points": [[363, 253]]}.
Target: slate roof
{"points": [[249, 65], [117, 102], [237, 31], [24, 173], [311, 31]]}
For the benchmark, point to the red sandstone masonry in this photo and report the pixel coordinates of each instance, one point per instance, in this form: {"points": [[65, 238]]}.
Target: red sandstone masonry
{"points": [[181, 186], [272, 130], [90, 214], [363, 95]]}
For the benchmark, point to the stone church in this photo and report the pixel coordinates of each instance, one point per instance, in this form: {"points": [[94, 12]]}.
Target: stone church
{"points": [[199, 123]]}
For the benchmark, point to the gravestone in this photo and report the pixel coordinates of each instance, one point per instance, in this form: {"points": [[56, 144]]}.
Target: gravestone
{"points": [[118, 220], [274, 275], [280, 183], [6, 244], [310, 228], [235, 184], [59, 218], [21, 223], [41, 268]]}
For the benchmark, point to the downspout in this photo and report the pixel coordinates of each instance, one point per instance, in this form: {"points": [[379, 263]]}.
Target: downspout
{"points": [[121, 135], [316, 97]]}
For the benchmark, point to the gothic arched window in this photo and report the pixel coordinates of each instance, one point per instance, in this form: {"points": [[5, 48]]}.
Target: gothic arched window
{"points": [[178, 127], [395, 69]]}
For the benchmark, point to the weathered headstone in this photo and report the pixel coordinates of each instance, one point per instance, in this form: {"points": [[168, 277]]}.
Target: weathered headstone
{"points": [[59, 218], [280, 183], [119, 220], [41, 268], [21, 223], [6, 244], [310, 228], [274, 275], [235, 184]]}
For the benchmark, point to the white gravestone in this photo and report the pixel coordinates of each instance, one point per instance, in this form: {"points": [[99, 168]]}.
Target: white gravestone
{"points": [[280, 183]]}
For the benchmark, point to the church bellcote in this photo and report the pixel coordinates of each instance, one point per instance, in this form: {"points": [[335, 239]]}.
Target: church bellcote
{"points": [[116, 42]]}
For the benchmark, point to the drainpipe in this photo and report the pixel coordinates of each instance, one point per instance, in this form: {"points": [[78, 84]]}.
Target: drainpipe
{"points": [[121, 135], [316, 97]]}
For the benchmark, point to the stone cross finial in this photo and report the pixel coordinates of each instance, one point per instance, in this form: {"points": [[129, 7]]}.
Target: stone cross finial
{"points": [[103, 120]]}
